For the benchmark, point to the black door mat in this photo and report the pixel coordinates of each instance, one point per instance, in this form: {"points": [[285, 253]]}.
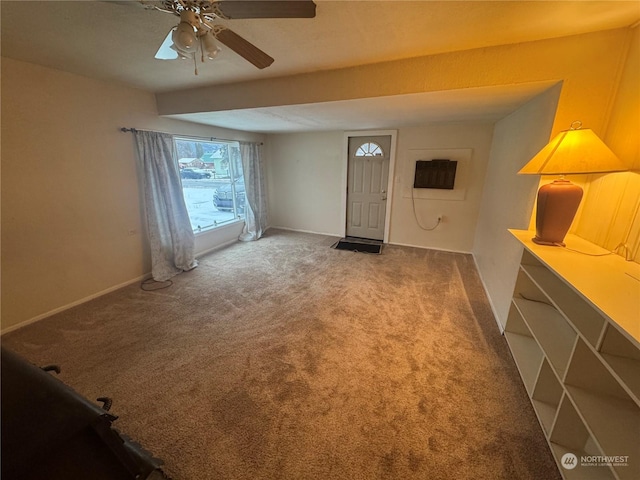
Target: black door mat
{"points": [[369, 241], [363, 245]]}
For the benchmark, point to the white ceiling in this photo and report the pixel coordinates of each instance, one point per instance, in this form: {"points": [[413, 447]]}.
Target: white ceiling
{"points": [[116, 41]]}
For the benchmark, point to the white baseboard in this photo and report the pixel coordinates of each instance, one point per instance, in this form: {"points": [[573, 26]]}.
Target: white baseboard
{"points": [[304, 231], [428, 248], [486, 291], [74, 304]]}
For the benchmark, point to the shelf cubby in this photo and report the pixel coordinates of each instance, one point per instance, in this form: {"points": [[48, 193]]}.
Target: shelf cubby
{"points": [[529, 259], [546, 397], [623, 357], [526, 288], [570, 436], [606, 407], [551, 330], [524, 348], [586, 320]]}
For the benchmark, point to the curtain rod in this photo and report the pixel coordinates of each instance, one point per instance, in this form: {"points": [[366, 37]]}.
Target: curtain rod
{"points": [[125, 129]]}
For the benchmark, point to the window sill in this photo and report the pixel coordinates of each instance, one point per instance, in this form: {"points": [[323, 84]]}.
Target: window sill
{"points": [[217, 237], [220, 227]]}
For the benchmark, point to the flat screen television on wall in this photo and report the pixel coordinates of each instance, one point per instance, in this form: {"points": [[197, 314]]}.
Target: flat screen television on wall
{"points": [[436, 173]]}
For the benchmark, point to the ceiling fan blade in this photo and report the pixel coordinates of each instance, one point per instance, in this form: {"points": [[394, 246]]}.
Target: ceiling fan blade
{"points": [[230, 9], [245, 49], [165, 52]]}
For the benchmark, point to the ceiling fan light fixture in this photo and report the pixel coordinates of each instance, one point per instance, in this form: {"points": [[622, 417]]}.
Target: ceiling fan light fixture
{"points": [[212, 54], [182, 55], [184, 38], [210, 45], [198, 32]]}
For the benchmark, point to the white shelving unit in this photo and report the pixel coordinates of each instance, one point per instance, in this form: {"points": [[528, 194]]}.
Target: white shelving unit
{"points": [[574, 333]]}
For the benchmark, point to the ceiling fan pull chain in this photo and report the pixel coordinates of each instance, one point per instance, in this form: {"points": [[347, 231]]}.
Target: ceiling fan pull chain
{"points": [[195, 65]]}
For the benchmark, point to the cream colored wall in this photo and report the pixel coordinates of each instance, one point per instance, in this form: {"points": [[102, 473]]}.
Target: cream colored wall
{"points": [[624, 123], [460, 212], [305, 176], [71, 220], [609, 214], [304, 172], [508, 198]]}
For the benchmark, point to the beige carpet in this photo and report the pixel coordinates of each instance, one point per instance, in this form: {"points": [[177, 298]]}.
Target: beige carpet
{"points": [[286, 359]]}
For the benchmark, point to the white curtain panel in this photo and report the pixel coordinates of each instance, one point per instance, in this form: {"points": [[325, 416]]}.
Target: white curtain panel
{"points": [[171, 237], [255, 190]]}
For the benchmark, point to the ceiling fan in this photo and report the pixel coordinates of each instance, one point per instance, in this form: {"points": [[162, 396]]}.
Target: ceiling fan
{"points": [[198, 30]]}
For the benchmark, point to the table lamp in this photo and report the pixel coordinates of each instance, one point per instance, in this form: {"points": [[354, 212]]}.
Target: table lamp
{"points": [[574, 151]]}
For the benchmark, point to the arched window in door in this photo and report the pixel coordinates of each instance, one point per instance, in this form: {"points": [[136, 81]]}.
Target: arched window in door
{"points": [[369, 149]]}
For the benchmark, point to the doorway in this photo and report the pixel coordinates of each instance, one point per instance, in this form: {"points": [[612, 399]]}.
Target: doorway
{"points": [[369, 162]]}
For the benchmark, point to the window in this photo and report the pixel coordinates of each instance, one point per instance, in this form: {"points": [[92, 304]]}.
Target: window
{"points": [[212, 182], [369, 150]]}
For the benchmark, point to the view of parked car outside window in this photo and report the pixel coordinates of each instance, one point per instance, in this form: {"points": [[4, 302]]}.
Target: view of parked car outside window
{"points": [[212, 182], [193, 173]]}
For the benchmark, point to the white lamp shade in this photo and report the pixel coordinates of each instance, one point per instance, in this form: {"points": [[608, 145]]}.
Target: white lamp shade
{"points": [[210, 45], [182, 55], [184, 38], [574, 151], [213, 54]]}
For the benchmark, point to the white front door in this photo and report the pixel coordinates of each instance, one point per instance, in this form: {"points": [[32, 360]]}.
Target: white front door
{"points": [[367, 179]]}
